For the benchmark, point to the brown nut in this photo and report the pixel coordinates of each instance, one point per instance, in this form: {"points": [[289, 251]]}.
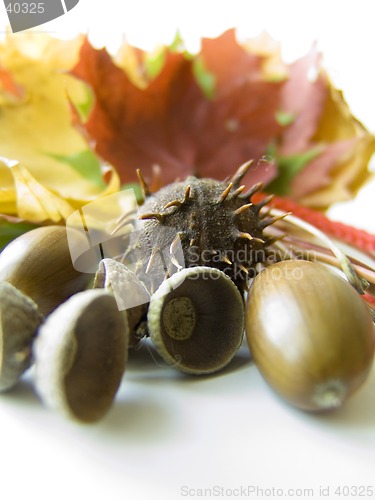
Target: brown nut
{"points": [[310, 334], [19, 321], [80, 355], [39, 264], [196, 320]]}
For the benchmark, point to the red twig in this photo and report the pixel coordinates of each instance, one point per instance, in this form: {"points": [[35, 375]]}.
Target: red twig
{"points": [[370, 299], [358, 238]]}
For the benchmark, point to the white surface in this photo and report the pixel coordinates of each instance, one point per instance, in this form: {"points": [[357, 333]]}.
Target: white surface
{"points": [[167, 431]]}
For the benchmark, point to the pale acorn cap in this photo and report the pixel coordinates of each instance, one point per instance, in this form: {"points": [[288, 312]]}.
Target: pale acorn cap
{"points": [[196, 320], [19, 321], [80, 356], [130, 293], [119, 280]]}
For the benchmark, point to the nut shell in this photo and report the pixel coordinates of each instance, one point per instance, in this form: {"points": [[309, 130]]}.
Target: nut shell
{"points": [[196, 320], [80, 355], [216, 225], [310, 334], [131, 295], [39, 264], [19, 321]]}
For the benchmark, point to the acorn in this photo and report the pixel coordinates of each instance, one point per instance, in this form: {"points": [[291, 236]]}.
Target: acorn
{"points": [[80, 355], [38, 263], [310, 334], [19, 322], [196, 320]]}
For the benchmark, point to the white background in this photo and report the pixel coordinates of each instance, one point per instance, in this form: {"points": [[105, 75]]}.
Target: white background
{"points": [[166, 430]]}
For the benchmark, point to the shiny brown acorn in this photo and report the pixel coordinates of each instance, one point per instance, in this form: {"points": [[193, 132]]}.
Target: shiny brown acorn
{"points": [[38, 263], [310, 334]]}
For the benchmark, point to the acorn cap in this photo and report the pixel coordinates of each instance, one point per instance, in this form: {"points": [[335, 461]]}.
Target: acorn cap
{"points": [[196, 320], [19, 321], [131, 295], [80, 355]]}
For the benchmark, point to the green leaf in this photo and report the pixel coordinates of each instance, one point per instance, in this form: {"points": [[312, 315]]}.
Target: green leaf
{"points": [[275, 78], [154, 62], [284, 119], [10, 231], [289, 167], [136, 188], [85, 106], [178, 44], [86, 163], [205, 79]]}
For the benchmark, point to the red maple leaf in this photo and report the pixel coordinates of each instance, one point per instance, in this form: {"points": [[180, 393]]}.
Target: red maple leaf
{"points": [[173, 124]]}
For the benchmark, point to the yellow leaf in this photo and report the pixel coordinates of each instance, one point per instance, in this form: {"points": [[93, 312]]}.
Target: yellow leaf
{"points": [[338, 124], [33, 202], [349, 176], [273, 66], [129, 59], [36, 119], [21, 194]]}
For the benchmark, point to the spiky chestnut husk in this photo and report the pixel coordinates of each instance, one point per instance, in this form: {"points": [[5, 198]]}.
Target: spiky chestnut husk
{"points": [[215, 222]]}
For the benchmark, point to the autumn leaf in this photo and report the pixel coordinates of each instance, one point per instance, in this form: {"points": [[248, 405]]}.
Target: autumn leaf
{"points": [[350, 172], [323, 128], [171, 122], [235, 65], [289, 168], [37, 133], [207, 113], [272, 66], [34, 202], [303, 97]]}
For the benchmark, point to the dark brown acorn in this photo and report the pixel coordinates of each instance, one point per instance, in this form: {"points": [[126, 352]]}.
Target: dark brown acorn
{"points": [[213, 222], [196, 320]]}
